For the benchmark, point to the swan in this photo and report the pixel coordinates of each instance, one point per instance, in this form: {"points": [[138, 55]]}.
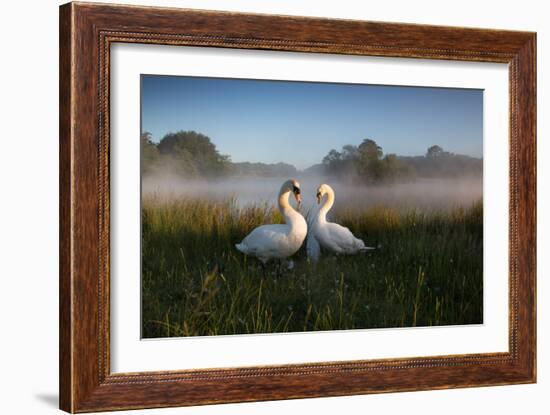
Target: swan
{"points": [[331, 236], [278, 241]]}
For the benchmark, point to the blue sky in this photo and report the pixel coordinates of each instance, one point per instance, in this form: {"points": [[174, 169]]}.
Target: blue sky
{"points": [[300, 122]]}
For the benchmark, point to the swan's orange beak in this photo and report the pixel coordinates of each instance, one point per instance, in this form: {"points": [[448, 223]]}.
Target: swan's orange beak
{"points": [[298, 197]]}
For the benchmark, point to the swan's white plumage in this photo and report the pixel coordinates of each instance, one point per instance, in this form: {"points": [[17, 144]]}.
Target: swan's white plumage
{"points": [[278, 241], [331, 236]]}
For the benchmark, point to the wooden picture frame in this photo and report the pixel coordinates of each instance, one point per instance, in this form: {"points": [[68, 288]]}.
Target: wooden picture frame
{"points": [[86, 33]]}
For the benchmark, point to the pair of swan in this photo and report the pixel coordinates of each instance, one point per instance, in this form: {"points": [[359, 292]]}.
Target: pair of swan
{"points": [[282, 241]]}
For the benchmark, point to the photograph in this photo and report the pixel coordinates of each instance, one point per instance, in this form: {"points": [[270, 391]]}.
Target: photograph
{"points": [[273, 206], [322, 206]]}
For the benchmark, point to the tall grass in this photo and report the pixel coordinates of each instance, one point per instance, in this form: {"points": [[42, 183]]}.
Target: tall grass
{"points": [[427, 272]]}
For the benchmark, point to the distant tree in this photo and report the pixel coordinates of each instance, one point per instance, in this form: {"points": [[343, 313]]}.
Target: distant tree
{"points": [[396, 169], [332, 157], [434, 151], [194, 154], [264, 169], [368, 149], [333, 163], [440, 163], [349, 152], [368, 162], [149, 154]]}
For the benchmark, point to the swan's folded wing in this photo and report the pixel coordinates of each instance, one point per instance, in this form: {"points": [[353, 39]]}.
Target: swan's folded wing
{"points": [[344, 239], [267, 240]]}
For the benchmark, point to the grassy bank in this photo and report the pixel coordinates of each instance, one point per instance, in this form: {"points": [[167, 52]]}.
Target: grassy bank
{"points": [[194, 282]]}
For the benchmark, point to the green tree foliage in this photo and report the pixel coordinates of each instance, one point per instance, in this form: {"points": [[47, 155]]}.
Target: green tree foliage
{"points": [[194, 154], [435, 151], [191, 154], [366, 163], [150, 156], [395, 169], [369, 165], [369, 150], [334, 163], [341, 164], [264, 169], [185, 153], [440, 163]]}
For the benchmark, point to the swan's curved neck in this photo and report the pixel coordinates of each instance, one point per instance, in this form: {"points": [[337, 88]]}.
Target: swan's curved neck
{"points": [[285, 207], [327, 205]]}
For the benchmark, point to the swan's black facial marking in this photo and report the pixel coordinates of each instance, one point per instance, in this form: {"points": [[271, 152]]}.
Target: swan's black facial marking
{"points": [[295, 190], [319, 196]]}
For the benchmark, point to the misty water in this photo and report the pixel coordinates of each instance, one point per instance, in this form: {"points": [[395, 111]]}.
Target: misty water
{"points": [[422, 194]]}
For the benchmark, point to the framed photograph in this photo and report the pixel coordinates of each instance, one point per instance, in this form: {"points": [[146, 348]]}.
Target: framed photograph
{"points": [[258, 207]]}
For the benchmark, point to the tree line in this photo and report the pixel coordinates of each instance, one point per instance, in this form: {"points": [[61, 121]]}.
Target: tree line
{"points": [[367, 163], [192, 154], [185, 153]]}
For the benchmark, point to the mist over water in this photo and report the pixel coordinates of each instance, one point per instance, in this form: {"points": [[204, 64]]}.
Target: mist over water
{"points": [[422, 194]]}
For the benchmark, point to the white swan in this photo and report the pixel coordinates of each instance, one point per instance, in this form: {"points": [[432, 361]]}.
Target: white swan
{"points": [[278, 241], [331, 236]]}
